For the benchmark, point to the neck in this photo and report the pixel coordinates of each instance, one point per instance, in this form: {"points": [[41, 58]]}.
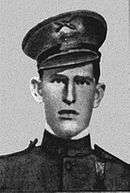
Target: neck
{"points": [[81, 134], [54, 145]]}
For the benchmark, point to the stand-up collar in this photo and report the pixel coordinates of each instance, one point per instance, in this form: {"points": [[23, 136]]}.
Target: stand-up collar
{"points": [[54, 145]]}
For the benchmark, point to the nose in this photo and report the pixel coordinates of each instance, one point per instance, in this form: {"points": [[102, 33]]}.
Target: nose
{"points": [[69, 95]]}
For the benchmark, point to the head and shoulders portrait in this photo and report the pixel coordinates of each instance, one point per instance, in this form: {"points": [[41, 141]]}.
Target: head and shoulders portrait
{"points": [[67, 51]]}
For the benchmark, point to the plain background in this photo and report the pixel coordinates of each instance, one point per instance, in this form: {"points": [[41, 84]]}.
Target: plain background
{"points": [[22, 119]]}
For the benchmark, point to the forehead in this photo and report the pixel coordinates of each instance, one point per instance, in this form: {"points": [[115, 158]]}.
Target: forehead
{"points": [[73, 71]]}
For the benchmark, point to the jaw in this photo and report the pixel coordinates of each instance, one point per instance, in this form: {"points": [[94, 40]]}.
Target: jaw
{"points": [[67, 129]]}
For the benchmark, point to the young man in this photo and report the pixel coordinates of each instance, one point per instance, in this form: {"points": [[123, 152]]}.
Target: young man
{"points": [[66, 48]]}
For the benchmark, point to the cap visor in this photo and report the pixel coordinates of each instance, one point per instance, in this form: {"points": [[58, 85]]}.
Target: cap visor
{"points": [[71, 57]]}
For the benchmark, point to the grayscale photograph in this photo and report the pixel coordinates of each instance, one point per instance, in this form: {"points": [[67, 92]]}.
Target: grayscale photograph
{"points": [[64, 100]]}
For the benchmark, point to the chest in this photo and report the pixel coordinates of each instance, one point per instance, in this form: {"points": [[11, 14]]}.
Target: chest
{"points": [[66, 173]]}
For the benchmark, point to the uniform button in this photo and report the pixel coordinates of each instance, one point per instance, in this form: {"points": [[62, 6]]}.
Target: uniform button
{"points": [[68, 165]]}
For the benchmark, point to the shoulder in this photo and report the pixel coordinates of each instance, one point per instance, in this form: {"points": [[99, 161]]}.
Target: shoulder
{"points": [[116, 170], [19, 161], [20, 165], [20, 154], [108, 157], [113, 166]]}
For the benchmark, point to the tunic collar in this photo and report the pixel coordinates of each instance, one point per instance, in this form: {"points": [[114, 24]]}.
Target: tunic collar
{"points": [[54, 145]]}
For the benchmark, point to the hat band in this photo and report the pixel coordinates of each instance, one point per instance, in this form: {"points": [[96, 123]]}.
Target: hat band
{"points": [[50, 51], [70, 57]]}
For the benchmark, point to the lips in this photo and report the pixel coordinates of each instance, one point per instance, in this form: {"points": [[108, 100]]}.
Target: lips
{"points": [[67, 114], [64, 111]]}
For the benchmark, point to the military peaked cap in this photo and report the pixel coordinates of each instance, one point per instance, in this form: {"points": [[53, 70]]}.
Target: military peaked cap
{"points": [[66, 39]]}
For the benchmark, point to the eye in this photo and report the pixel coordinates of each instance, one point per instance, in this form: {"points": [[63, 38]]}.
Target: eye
{"points": [[59, 79], [82, 81], [87, 82]]}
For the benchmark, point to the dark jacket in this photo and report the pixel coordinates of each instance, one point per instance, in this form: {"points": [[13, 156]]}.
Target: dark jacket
{"points": [[62, 165]]}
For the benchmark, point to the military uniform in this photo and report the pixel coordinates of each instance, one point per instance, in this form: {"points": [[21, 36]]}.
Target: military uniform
{"points": [[62, 165], [68, 39]]}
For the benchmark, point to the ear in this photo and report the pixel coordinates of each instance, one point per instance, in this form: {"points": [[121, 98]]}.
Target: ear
{"points": [[36, 89], [99, 93]]}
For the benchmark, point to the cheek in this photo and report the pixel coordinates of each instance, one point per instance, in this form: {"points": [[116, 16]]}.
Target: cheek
{"points": [[85, 105], [52, 95], [85, 96], [52, 90]]}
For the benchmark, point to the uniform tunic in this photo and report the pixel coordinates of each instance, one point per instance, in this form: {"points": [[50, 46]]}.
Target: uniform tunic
{"points": [[62, 165]]}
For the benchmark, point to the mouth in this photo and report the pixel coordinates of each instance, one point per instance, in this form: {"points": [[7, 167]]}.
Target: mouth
{"points": [[65, 118], [67, 114]]}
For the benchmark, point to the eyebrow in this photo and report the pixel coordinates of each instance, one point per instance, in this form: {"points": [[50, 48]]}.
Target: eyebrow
{"points": [[59, 75], [77, 77], [84, 77]]}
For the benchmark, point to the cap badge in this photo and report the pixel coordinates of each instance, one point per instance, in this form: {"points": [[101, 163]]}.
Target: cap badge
{"points": [[64, 27]]}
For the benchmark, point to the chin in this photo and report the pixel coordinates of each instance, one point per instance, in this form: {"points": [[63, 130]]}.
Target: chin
{"points": [[68, 129]]}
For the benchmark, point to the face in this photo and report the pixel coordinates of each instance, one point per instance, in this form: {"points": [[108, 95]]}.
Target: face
{"points": [[68, 96]]}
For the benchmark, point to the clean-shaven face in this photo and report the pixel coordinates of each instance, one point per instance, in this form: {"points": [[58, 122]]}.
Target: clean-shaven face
{"points": [[68, 95]]}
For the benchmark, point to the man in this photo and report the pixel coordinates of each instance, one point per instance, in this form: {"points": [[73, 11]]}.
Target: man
{"points": [[66, 48]]}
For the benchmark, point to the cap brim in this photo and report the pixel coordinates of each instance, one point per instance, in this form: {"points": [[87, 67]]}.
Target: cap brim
{"points": [[68, 58]]}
